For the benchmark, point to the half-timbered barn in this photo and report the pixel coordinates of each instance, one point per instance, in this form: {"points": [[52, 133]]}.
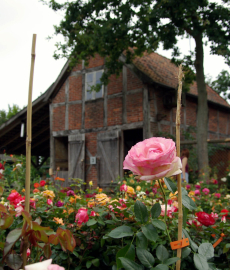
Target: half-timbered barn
{"points": [[90, 133]]}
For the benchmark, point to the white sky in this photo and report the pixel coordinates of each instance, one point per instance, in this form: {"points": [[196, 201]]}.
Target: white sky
{"points": [[19, 20]]}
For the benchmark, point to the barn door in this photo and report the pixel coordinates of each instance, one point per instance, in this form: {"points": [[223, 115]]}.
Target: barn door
{"points": [[108, 153], [77, 156]]}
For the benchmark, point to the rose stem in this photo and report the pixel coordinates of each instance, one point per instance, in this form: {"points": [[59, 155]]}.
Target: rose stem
{"points": [[165, 209], [180, 211]]}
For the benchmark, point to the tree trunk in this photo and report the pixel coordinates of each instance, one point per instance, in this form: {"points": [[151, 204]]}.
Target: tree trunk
{"points": [[202, 111]]}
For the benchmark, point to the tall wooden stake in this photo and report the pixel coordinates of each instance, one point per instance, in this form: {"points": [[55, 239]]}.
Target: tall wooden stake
{"points": [[180, 211], [28, 144]]}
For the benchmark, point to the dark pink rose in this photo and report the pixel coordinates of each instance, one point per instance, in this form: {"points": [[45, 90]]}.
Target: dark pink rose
{"points": [[81, 216], [70, 193]]}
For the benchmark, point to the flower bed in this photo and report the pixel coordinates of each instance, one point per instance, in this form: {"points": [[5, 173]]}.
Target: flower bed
{"points": [[132, 226]]}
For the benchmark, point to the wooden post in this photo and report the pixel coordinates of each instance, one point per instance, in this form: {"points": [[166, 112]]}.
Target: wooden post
{"points": [[28, 144], [180, 211]]}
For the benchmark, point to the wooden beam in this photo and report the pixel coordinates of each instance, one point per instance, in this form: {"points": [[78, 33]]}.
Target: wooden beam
{"points": [[209, 141]]}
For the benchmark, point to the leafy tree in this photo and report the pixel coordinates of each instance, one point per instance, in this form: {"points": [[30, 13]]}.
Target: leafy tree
{"points": [[5, 116], [222, 84], [110, 27]]}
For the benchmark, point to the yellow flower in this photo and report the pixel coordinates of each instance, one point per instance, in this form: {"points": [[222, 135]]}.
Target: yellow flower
{"points": [[91, 204], [58, 220], [138, 188], [130, 190], [71, 210], [46, 186], [72, 200], [101, 199], [91, 183], [100, 190], [23, 190], [191, 193], [48, 194], [124, 182], [173, 196], [132, 181]]}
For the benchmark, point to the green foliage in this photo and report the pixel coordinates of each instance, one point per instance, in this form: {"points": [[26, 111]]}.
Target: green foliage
{"points": [[222, 84], [6, 115]]}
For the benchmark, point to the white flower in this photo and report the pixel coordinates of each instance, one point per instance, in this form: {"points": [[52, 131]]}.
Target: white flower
{"points": [[18, 165], [227, 196], [224, 179], [39, 266], [229, 174], [1, 171], [141, 193]]}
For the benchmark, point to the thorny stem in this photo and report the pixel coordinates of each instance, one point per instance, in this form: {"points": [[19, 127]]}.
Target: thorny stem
{"points": [[165, 209]]}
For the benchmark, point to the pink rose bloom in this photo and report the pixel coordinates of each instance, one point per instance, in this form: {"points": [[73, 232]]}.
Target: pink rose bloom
{"points": [[188, 186], [197, 192], [19, 210], [28, 252], [55, 267], [154, 190], [81, 216], [214, 215], [206, 191], [93, 214], [49, 202], [217, 195], [170, 210], [123, 188], [197, 186], [153, 158]]}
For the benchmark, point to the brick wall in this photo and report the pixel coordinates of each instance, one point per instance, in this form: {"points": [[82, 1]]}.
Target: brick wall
{"points": [[60, 97], [75, 88], [115, 84], [59, 118], [134, 107], [94, 113], [114, 109], [75, 116]]}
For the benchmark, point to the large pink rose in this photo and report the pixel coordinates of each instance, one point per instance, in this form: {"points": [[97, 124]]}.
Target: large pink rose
{"points": [[81, 216], [153, 158]]}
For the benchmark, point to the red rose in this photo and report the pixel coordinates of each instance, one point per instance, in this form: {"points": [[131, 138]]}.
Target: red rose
{"points": [[205, 218], [36, 185], [224, 211], [42, 183]]}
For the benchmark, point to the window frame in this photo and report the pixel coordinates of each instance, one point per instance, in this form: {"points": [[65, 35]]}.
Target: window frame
{"points": [[94, 83]]}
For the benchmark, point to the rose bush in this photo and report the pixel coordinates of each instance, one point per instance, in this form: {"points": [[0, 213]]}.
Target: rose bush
{"points": [[153, 158]]}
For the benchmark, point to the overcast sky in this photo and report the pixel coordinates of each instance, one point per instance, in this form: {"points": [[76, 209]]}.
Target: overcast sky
{"points": [[19, 20]]}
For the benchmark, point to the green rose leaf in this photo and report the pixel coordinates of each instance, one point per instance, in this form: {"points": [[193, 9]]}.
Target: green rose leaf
{"points": [[13, 236], [206, 250], [211, 266], [188, 202], [170, 185], [185, 252], [160, 267], [14, 261], [150, 232], [141, 240], [156, 210], [171, 260], [129, 265], [122, 231], [145, 257], [126, 252], [162, 253], [192, 244], [96, 262], [159, 224], [141, 212], [185, 214], [91, 222], [88, 264], [200, 262], [8, 220], [47, 251], [3, 208]]}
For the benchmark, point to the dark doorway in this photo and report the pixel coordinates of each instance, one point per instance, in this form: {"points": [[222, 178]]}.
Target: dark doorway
{"points": [[131, 137], [61, 153]]}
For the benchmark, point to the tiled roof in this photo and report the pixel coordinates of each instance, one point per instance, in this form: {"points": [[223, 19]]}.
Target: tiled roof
{"points": [[162, 71]]}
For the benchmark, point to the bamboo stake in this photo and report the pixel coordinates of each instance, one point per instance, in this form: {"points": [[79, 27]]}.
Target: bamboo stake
{"points": [[180, 211], [28, 144]]}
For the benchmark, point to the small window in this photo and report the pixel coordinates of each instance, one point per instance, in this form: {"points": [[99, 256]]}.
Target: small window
{"points": [[92, 79]]}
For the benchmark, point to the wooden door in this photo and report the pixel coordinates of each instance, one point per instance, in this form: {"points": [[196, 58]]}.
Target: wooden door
{"points": [[77, 156], [108, 153]]}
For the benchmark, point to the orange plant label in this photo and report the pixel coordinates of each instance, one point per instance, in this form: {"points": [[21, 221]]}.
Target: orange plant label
{"points": [[180, 243]]}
